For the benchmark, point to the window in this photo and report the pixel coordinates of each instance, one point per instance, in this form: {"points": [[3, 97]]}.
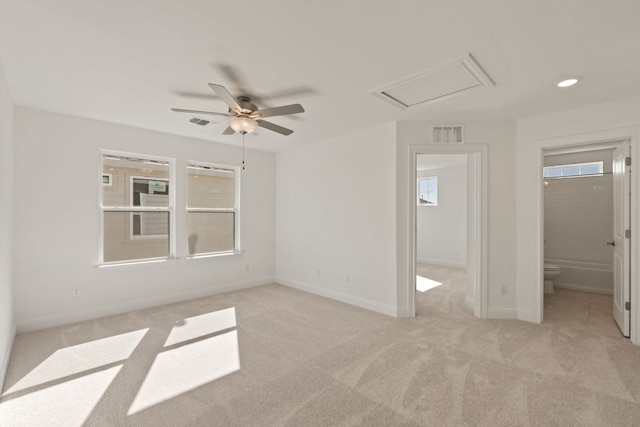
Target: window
{"points": [[136, 208], [428, 191], [212, 209], [574, 170]]}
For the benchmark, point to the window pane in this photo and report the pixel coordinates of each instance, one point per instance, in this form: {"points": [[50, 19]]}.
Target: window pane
{"points": [[591, 169], [126, 178], [210, 187], [552, 172], [570, 170], [122, 244], [211, 232], [428, 191]]}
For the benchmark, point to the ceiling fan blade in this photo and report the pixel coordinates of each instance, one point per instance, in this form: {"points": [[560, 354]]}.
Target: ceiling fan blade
{"points": [[228, 131], [279, 111], [224, 94], [274, 127], [212, 113]]}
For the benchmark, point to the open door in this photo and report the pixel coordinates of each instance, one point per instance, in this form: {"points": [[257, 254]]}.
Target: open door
{"points": [[621, 246]]}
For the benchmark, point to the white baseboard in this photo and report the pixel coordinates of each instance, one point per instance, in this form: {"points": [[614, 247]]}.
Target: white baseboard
{"points": [[581, 288], [502, 313], [343, 297], [470, 302], [524, 315], [27, 325], [443, 262], [7, 357], [404, 312]]}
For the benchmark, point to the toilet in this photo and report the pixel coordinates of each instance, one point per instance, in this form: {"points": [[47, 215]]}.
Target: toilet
{"points": [[551, 272]]}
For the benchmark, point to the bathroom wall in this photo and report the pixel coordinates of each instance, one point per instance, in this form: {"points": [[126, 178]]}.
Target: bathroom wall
{"points": [[578, 221], [442, 229]]}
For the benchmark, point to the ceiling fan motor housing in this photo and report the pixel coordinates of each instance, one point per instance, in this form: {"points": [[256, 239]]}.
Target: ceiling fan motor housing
{"points": [[246, 105]]}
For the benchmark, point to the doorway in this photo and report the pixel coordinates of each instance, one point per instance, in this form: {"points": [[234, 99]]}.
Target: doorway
{"points": [[441, 229], [473, 250], [586, 254]]}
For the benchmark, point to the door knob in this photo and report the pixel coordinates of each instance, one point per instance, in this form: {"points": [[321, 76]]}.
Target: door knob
{"points": [[612, 243]]}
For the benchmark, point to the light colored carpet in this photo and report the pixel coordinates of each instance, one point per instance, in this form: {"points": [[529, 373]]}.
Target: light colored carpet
{"points": [[275, 356]]}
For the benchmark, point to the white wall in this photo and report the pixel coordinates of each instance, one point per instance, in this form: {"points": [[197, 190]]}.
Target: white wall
{"points": [[501, 258], [336, 215], [603, 122], [56, 224], [7, 325], [442, 229]]}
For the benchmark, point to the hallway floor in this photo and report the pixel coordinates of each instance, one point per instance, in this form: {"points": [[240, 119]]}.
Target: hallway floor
{"points": [[564, 308]]}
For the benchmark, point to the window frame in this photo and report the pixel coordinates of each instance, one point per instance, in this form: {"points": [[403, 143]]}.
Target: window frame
{"points": [[426, 178], [135, 209], [560, 167], [237, 248]]}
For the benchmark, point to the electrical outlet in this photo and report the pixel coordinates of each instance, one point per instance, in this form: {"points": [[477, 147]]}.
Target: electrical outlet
{"points": [[246, 268], [76, 292], [319, 272], [348, 278], [504, 290]]}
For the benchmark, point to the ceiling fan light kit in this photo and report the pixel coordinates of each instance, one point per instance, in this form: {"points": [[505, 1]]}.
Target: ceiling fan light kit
{"points": [[243, 124]]}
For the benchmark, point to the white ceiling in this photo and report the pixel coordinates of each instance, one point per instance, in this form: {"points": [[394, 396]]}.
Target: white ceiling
{"points": [[130, 61]]}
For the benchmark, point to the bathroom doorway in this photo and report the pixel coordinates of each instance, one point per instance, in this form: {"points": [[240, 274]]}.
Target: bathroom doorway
{"points": [[586, 254]]}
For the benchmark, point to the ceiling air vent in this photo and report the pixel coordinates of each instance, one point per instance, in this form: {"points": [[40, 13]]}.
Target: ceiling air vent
{"points": [[435, 84], [200, 122], [448, 134]]}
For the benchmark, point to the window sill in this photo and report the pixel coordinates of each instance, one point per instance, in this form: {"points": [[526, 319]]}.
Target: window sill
{"points": [[136, 263], [213, 257]]}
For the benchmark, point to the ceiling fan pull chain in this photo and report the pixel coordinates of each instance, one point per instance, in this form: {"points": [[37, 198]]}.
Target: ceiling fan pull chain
{"points": [[243, 150]]}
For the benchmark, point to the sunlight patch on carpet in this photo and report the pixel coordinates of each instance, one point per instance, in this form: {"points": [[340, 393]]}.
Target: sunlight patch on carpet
{"points": [[73, 360], [423, 284], [68, 403], [181, 369]]}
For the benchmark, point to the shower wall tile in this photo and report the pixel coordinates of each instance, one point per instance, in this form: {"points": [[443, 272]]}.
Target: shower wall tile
{"points": [[578, 219]]}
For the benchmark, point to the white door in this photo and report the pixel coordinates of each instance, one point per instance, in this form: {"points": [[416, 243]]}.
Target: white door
{"points": [[621, 206]]}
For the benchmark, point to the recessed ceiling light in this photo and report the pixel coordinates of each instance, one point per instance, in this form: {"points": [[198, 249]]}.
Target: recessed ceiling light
{"points": [[569, 82]]}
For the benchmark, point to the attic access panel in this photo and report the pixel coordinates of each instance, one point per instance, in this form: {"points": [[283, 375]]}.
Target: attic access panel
{"points": [[435, 84]]}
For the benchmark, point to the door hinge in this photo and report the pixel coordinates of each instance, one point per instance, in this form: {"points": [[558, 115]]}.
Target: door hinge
{"points": [[627, 305], [627, 234], [627, 161]]}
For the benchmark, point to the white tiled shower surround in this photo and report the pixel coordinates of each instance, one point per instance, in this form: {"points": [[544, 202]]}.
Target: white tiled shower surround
{"points": [[578, 221]]}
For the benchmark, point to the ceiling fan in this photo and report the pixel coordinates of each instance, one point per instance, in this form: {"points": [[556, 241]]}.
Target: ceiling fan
{"points": [[244, 116]]}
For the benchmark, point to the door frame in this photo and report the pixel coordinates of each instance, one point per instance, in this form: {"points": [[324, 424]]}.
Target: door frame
{"points": [[630, 134], [477, 173]]}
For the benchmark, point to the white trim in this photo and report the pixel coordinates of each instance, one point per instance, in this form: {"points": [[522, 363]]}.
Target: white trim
{"points": [[469, 301], [368, 304], [467, 61], [7, 356], [114, 309], [477, 211], [535, 189]]}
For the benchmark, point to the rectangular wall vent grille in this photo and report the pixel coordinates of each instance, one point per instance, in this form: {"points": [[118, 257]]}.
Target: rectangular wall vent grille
{"points": [[450, 134], [200, 122]]}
